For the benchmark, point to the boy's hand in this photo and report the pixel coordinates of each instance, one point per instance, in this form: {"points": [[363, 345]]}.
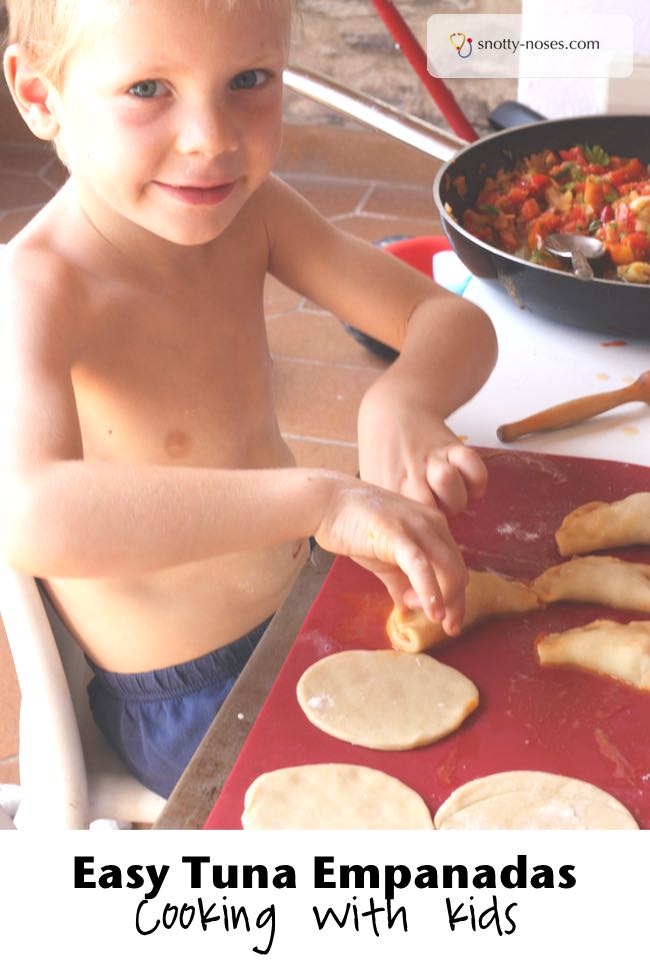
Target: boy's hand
{"points": [[404, 448], [407, 545]]}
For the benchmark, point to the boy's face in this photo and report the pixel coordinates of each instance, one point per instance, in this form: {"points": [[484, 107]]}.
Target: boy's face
{"points": [[170, 113]]}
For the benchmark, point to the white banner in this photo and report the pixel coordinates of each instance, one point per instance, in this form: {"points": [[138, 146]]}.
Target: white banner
{"points": [[171, 902]]}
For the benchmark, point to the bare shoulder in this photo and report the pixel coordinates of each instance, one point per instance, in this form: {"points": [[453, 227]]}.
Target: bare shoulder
{"points": [[276, 192], [39, 289], [284, 209]]}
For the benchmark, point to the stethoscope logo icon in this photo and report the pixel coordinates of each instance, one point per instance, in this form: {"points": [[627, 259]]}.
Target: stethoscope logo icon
{"points": [[459, 41]]}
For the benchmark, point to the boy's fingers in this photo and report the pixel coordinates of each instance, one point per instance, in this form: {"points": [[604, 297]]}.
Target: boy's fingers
{"points": [[416, 565], [417, 489], [452, 578], [396, 583], [448, 485], [472, 468], [410, 599], [453, 621]]}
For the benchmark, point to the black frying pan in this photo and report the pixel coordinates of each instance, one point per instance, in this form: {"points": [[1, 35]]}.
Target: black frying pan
{"points": [[611, 306]]}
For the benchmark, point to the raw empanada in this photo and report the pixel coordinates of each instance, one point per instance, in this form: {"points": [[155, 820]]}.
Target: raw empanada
{"points": [[597, 579], [531, 800], [386, 700], [332, 796], [619, 650], [487, 594], [599, 525]]}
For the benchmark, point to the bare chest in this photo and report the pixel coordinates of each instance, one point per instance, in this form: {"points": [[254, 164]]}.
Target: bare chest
{"points": [[184, 376]]}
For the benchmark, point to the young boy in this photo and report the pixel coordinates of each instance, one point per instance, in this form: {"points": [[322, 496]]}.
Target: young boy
{"points": [[143, 476]]}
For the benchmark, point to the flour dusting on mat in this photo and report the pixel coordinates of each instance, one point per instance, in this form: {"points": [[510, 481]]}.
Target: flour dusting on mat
{"points": [[516, 530]]}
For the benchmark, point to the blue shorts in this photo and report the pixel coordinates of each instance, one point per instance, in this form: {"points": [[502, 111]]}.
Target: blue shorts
{"points": [[155, 720]]}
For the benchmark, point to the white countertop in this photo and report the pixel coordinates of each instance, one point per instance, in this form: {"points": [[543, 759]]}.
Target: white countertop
{"points": [[541, 364]]}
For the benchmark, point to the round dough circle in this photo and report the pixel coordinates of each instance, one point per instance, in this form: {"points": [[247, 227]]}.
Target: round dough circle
{"points": [[531, 800], [384, 699], [332, 796]]}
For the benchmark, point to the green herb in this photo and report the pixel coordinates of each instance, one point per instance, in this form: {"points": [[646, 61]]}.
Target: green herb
{"points": [[613, 225], [594, 226], [488, 208], [596, 155], [611, 196], [565, 171], [576, 172]]}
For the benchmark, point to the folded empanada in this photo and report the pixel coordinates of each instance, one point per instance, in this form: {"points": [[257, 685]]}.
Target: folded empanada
{"points": [[619, 650], [597, 579], [599, 525], [487, 595]]}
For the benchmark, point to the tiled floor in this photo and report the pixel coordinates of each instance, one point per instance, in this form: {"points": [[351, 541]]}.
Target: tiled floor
{"points": [[364, 183]]}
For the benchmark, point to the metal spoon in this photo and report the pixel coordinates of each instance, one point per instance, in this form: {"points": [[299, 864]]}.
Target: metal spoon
{"points": [[578, 248]]}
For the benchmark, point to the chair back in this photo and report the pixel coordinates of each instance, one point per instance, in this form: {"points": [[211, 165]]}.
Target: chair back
{"points": [[69, 775]]}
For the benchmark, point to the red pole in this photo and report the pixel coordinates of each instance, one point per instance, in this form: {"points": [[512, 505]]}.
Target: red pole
{"points": [[414, 54]]}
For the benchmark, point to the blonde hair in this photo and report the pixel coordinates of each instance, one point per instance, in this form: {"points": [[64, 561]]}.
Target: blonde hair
{"points": [[51, 29]]}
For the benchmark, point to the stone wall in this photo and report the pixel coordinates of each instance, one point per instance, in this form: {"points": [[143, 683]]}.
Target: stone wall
{"points": [[347, 40]]}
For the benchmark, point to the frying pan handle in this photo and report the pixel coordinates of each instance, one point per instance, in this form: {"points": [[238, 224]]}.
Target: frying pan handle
{"points": [[374, 113], [379, 115], [509, 114]]}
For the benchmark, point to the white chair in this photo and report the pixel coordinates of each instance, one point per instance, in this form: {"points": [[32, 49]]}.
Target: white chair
{"points": [[69, 776]]}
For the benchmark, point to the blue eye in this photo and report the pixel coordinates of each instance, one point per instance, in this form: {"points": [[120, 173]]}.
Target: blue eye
{"points": [[146, 89], [246, 80]]}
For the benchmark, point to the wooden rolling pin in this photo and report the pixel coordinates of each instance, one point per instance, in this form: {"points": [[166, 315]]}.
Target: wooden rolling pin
{"points": [[576, 410]]}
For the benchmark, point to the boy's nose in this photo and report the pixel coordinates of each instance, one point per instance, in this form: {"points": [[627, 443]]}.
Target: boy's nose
{"points": [[208, 131]]}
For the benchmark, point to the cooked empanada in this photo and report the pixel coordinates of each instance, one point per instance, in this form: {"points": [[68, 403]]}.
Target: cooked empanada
{"points": [[487, 595], [597, 579], [619, 650], [599, 525]]}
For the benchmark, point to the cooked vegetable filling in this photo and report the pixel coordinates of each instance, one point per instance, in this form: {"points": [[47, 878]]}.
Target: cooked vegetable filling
{"points": [[582, 190]]}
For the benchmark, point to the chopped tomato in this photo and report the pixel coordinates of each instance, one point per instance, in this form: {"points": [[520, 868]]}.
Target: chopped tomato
{"points": [[633, 169], [509, 240], [529, 210], [576, 154], [538, 182], [540, 228]]}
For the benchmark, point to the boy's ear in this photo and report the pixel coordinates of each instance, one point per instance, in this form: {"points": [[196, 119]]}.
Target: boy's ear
{"points": [[35, 97]]}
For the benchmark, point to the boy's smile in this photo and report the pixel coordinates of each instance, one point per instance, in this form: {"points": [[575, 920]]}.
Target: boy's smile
{"points": [[197, 195], [170, 116]]}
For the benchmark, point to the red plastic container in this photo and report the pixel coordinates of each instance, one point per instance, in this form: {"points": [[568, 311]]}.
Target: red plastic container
{"points": [[418, 251]]}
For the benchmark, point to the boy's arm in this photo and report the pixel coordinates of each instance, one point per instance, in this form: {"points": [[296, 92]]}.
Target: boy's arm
{"points": [[66, 516], [448, 353], [447, 350]]}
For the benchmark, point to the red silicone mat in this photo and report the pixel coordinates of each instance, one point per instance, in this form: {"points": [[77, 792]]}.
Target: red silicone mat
{"points": [[554, 720]]}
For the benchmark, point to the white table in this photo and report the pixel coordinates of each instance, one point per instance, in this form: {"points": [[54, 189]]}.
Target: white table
{"points": [[542, 363]]}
